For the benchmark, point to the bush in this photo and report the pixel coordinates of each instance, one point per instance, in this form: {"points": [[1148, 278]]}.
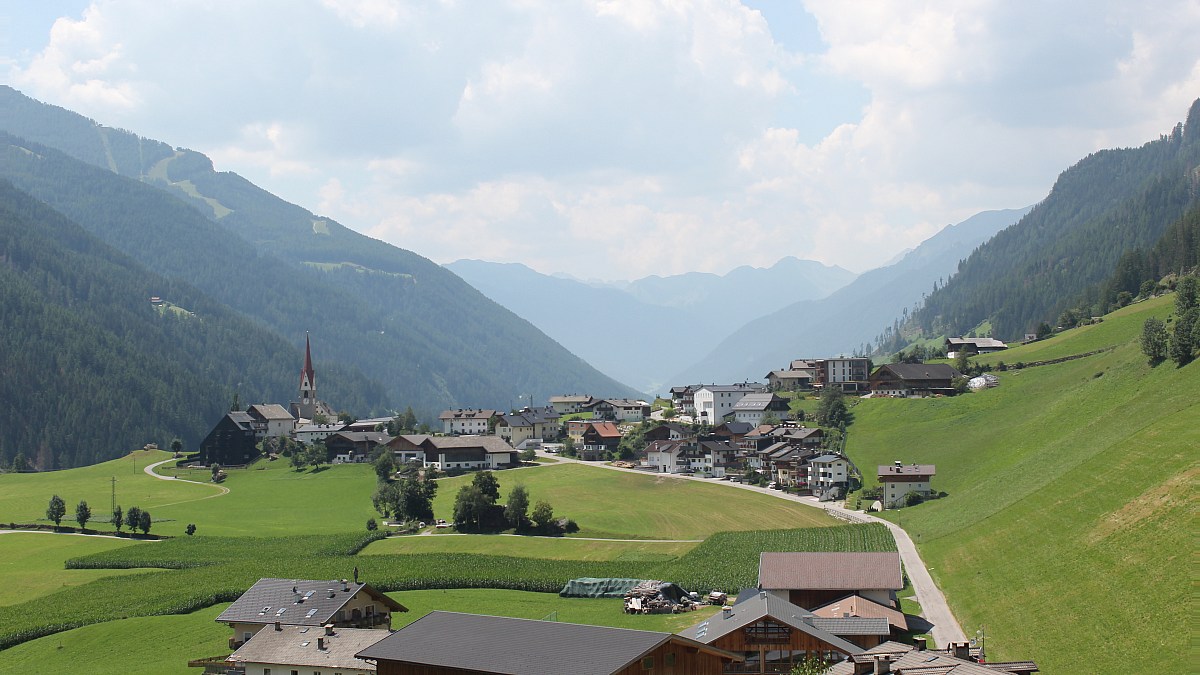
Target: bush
{"points": [[372, 525]]}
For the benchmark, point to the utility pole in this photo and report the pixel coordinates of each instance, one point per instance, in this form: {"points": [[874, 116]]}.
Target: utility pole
{"points": [[113, 507]]}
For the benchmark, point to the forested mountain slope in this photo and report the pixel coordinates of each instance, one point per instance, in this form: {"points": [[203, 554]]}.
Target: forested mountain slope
{"points": [[91, 369], [850, 317], [1109, 203], [431, 339]]}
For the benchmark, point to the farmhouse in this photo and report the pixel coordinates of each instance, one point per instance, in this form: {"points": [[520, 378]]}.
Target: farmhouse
{"points": [[450, 642], [856, 605], [670, 431], [231, 441], [354, 446], [303, 602], [598, 438], [540, 423], [973, 346], [466, 421], [814, 579], [271, 420], [772, 634], [914, 380], [467, 452], [283, 649], [897, 480]]}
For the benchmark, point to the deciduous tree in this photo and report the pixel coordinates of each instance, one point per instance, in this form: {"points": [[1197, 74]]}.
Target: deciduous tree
{"points": [[118, 518], [56, 510], [82, 514], [543, 516], [144, 522], [516, 511], [1154, 340], [133, 518]]}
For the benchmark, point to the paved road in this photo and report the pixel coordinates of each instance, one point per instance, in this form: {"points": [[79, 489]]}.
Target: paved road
{"points": [[74, 534], [150, 471], [933, 604]]}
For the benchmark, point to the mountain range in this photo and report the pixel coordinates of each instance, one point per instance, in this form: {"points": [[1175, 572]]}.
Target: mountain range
{"points": [[643, 331], [426, 338]]}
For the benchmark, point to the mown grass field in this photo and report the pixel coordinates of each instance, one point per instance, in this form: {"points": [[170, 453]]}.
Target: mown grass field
{"points": [[664, 508], [1070, 519], [31, 563], [532, 547]]}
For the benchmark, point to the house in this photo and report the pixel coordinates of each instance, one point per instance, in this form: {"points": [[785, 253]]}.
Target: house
{"points": [[914, 380], [598, 439], [715, 457], [408, 448], [801, 436], [303, 602], [828, 471], [570, 403], [755, 408], [526, 423], [667, 456], [714, 401], [849, 373], [369, 424], [898, 658], [466, 421], [856, 605], [801, 374], [771, 634], [319, 649], [683, 398], [897, 480], [311, 433], [814, 579], [733, 432], [450, 642], [973, 346], [669, 431], [354, 446], [232, 441], [271, 420], [448, 453], [618, 410]]}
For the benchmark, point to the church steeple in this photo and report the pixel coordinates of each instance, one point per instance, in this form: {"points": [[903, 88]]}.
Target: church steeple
{"points": [[308, 379]]}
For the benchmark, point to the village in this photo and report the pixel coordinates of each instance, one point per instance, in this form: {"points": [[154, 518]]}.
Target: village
{"points": [[838, 611]]}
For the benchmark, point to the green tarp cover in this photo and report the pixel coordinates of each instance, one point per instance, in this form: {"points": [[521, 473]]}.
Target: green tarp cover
{"points": [[591, 587]]}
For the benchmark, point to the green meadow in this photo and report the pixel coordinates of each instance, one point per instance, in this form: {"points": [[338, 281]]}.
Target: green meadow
{"points": [[1069, 529], [76, 594]]}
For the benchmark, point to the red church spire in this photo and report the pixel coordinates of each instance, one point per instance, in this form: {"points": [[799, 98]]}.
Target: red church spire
{"points": [[307, 378]]}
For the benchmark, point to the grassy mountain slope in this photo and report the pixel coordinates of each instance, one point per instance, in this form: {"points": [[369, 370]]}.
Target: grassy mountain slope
{"points": [[427, 335], [849, 317], [91, 369], [1110, 202], [1070, 522]]}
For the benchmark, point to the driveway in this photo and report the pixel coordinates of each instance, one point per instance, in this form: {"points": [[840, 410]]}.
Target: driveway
{"points": [[933, 603]]}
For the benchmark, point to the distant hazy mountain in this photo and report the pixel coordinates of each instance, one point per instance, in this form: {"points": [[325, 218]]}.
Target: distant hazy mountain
{"points": [[642, 331], [851, 316], [430, 338]]}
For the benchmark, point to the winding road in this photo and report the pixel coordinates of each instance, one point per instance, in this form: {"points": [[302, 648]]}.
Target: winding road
{"points": [[934, 608]]}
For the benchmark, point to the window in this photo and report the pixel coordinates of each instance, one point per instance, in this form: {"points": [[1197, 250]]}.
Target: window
{"points": [[648, 663], [668, 660]]}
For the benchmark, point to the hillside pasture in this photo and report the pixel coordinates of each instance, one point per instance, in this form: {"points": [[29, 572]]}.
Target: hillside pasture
{"points": [[31, 563], [1071, 504]]}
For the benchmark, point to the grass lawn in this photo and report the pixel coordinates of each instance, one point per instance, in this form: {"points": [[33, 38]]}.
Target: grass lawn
{"points": [[1071, 509], [24, 496], [150, 645], [31, 563], [531, 547], [664, 508], [273, 499], [526, 605]]}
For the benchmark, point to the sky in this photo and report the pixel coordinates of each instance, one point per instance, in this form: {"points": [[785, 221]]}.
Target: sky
{"points": [[614, 139]]}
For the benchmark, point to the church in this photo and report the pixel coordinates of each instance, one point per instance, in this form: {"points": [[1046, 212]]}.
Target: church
{"points": [[234, 440]]}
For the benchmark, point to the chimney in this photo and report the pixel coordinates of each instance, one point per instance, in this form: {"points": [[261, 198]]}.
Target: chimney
{"points": [[726, 611], [321, 644], [919, 642], [883, 664], [864, 667], [331, 593], [278, 627], [962, 650], [899, 463], [329, 629]]}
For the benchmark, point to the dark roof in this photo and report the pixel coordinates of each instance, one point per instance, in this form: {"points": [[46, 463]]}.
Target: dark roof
{"points": [[466, 414], [298, 602], [906, 659], [494, 644], [827, 458], [918, 372], [853, 625], [492, 444], [760, 606], [270, 411], [830, 571]]}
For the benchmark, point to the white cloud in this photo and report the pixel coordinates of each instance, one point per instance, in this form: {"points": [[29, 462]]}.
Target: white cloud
{"points": [[618, 138]]}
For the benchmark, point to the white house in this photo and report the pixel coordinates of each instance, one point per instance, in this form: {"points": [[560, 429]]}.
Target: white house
{"points": [[667, 456], [271, 420], [569, 403], [308, 649], [466, 421], [714, 401], [828, 471], [897, 480], [753, 408]]}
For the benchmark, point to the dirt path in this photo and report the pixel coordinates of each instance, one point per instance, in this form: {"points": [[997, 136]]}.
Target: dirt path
{"points": [[934, 608], [222, 490]]}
